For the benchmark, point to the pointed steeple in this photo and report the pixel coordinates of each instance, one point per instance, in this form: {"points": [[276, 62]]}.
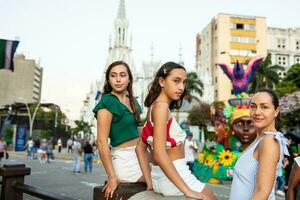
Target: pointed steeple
{"points": [[151, 52], [121, 11], [180, 61]]}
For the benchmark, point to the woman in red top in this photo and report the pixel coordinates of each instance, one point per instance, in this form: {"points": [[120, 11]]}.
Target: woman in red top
{"points": [[168, 173]]}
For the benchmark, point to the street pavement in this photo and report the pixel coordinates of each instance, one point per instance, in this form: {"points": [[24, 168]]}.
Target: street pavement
{"points": [[57, 177]]}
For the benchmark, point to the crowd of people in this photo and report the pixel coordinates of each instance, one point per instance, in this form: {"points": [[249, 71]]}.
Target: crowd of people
{"points": [[42, 149]]}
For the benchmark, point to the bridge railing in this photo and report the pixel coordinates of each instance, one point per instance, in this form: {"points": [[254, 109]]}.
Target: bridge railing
{"points": [[13, 187]]}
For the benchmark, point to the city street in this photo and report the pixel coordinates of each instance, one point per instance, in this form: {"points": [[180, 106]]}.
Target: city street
{"points": [[58, 177]]}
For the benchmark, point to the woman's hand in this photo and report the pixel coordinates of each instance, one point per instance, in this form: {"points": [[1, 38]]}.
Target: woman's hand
{"points": [[110, 187], [196, 195], [149, 187]]}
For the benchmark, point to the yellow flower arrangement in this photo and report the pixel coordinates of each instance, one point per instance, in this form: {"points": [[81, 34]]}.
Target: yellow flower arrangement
{"points": [[210, 161], [226, 158], [201, 158], [215, 167]]}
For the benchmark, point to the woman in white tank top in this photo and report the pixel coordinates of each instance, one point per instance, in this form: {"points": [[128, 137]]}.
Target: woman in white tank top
{"points": [[256, 170]]}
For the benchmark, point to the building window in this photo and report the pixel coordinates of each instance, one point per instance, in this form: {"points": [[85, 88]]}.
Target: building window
{"points": [[240, 39], [297, 45], [282, 60], [238, 52], [249, 27], [216, 79], [239, 26], [297, 60], [281, 43]]}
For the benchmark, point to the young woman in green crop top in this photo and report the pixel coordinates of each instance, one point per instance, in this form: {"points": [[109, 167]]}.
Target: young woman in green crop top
{"points": [[117, 116]]}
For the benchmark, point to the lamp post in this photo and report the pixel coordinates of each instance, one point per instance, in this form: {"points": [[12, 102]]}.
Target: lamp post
{"points": [[31, 117]]}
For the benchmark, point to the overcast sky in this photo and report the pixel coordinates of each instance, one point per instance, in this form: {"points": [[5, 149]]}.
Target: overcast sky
{"points": [[70, 37]]}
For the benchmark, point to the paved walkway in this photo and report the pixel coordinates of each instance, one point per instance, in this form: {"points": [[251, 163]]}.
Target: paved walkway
{"points": [[63, 155]]}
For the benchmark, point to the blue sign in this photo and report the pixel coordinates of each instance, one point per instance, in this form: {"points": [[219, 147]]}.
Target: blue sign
{"points": [[20, 138]]}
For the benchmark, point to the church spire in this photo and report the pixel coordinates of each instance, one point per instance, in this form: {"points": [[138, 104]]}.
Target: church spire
{"points": [[121, 12]]}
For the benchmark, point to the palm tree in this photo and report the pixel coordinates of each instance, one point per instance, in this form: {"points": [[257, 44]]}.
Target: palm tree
{"points": [[266, 75], [84, 127], [193, 84]]}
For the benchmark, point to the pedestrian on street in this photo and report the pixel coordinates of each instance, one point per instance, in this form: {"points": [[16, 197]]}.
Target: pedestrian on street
{"points": [[50, 155], [88, 157], [164, 139], [2, 148], [29, 148], [190, 147], [69, 144], [118, 114], [36, 147], [256, 169], [42, 151], [77, 151], [59, 144]]}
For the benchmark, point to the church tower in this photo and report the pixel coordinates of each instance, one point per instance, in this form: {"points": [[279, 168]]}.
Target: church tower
{"points": [[121, 48]]}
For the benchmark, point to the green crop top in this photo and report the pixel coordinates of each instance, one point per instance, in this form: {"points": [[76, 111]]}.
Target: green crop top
{"points": [[123, 126]]}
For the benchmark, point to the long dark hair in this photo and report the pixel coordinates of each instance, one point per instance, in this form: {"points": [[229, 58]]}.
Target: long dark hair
{"points": [[108, 89], [275, 102], [155, 88]]}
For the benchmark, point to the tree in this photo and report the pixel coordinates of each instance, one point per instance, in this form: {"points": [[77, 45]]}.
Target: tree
{"points": [[200, 115], [289, 109], [290, 83], [266, 75], [82, 126], [50, 122], [193, 84]]}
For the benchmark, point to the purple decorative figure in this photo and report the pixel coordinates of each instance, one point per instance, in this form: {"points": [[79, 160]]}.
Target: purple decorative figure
{"points": [[239, 77]]}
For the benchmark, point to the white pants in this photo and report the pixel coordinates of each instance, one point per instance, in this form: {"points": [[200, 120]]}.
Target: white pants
{"points": [[162, 184], [76, 164], [126, 164]]}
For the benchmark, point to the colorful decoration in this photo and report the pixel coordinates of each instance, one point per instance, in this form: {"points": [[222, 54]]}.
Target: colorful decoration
{"points": [[215, 164], [239, 77], [226, 158]]}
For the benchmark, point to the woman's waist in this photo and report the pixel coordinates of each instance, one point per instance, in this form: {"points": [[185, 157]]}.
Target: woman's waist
{"points": [[174, 153], [127, 144]]}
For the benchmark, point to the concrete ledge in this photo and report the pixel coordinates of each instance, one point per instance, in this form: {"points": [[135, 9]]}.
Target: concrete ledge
{"points": [[123, 192], [150, 195]]}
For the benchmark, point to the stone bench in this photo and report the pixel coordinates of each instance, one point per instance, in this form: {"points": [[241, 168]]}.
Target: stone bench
{"points": [[150, 195], [123, 192]]}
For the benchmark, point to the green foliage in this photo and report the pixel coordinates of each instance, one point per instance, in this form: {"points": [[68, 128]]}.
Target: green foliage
{"points": [[289, 121], [49, 121], [82, 126], [200, 115], [193, 84], [290, 83], [266, 75]]}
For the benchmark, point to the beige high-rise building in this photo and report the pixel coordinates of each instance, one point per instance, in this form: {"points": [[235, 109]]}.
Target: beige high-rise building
{"points": [[226, 39], [22, 85]]}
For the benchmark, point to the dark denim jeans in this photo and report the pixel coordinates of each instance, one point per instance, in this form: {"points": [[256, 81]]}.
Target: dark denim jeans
{"points": [[88, 162]]}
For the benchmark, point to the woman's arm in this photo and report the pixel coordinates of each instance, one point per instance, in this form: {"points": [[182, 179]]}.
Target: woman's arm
{"points": [[268, 156], [294, 180], [143, 157], [104, 118]]}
